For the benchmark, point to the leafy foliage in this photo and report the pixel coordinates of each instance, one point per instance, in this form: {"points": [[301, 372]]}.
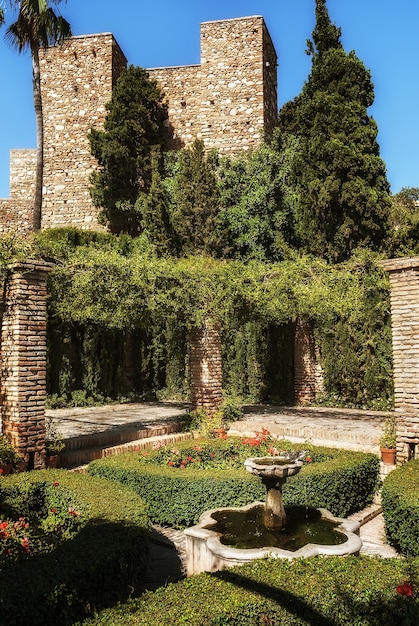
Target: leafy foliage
{"points": [[177, 494], [256, 219], [133, 127], [343, 194], [403, 237], [321, 591], [102, 563], [401, 508], [196, 203]]}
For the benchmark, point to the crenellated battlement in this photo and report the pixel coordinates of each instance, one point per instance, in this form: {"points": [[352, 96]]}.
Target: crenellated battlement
{"points": [[229, 101]]}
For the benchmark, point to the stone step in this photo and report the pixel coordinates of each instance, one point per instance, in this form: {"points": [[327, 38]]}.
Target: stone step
{"points": [[78, 456]]}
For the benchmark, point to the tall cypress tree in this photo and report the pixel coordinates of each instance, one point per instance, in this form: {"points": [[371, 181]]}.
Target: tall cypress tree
{"points": [[134, 126], [196, 202], [343, 193]]}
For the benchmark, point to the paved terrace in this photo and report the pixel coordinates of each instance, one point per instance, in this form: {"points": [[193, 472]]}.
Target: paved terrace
{"points": [[113, 426]]}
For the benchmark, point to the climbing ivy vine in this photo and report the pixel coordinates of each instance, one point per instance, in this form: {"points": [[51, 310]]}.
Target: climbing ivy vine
{"points": [[111, 295]]}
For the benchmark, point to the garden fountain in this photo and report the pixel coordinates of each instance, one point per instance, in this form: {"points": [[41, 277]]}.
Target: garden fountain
{"points": [[231, 536]]}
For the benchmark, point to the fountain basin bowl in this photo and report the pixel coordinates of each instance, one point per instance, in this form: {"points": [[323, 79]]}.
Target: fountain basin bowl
{"points": [[273, 466], [205, 551]]}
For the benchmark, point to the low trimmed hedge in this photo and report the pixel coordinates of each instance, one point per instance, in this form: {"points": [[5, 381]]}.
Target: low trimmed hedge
{"points": [[400, 500], [322, 591], [344, 482], [104, 563]]}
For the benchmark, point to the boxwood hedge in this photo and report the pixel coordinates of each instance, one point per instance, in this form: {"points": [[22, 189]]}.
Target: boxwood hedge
{"points": [[325, 591], [400, 498], [343, 482], [102, 564]]}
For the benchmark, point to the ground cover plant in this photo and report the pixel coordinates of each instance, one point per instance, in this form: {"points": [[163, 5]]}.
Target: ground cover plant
{"points": [[179, 482], [322, 591], [70, 544]]}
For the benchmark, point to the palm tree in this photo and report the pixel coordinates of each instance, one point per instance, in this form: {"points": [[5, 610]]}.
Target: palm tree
{"points": [[37, 26]]}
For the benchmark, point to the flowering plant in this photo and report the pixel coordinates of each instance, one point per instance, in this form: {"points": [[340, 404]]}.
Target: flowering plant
{"points": [[219, 453], [406, 589], [43, 529], [388, 437]]}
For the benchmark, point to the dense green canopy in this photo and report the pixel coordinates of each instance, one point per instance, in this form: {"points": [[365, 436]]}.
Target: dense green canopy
{"points": [[340, 179]]}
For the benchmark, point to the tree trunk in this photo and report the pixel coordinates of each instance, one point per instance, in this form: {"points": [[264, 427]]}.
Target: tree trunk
{"points": [[37, 97]]}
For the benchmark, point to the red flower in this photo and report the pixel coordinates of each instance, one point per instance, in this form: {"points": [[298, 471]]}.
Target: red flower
{"points": [[1, 470], [308, 459], [7, 552], [55, 484], [53, 510], [406, 589], [4, 525], [25, 544], [72, 511], [212, 455], [170, 463]]}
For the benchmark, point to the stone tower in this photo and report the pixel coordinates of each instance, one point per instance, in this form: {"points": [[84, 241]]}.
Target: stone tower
{"points": [[77, 82], [229, 100]]}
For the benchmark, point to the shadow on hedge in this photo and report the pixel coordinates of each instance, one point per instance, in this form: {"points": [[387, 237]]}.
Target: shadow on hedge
{"points": [[398, 611], [79, 577]]}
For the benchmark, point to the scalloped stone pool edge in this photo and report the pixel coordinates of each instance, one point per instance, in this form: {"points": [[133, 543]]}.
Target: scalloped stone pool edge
{"points": [[206, 553]]}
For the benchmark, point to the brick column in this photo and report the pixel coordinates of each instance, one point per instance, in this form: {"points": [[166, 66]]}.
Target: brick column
{"points": [[404, 285], [206, 368], [23, 360], [308, 378]]}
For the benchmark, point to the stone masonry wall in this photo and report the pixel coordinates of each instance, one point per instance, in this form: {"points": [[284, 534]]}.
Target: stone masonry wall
{"points": [[16, 211], [206, 368], [229, 100], [308, 377], [23, 361], [404, 284], [77, 82]]}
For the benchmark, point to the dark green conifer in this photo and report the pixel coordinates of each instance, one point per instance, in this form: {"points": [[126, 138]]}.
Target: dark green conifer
{"points": [[196, 202], [340, 178], [135, 123]]}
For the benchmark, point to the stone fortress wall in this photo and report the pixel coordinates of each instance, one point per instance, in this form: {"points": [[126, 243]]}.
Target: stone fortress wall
{"points": [[229, 100]]}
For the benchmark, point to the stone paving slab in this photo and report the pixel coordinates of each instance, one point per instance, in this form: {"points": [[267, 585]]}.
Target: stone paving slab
{"points": [[352, 429], [78, 421]]}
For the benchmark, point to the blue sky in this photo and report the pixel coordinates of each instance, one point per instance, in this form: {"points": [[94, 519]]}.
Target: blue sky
{"points": [[383, 33]]}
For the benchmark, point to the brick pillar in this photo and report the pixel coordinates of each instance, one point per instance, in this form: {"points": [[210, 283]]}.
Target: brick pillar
{"points": [[206, 368], [23, 360], [404, 285], [308, 378]]}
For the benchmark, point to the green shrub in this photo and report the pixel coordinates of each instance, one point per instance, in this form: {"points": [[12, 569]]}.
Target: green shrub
{"points": [[338, 480], [400, 498], [103, 563], [322, 591]]}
